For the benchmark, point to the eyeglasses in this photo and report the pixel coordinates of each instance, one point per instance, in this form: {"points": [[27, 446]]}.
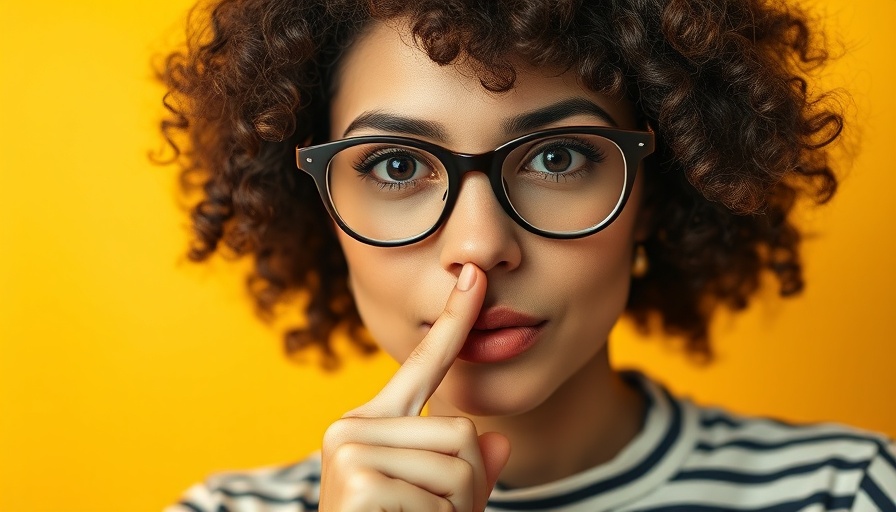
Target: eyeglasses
{"points": [[559, 183]]}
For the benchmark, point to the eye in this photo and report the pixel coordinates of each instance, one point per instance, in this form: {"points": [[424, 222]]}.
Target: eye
{"points": [[556, 160], [563, 157], [394, 166], [397, 168]]}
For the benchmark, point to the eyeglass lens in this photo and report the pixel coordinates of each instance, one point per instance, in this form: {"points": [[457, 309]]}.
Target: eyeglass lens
{"points": [[562, 184]]}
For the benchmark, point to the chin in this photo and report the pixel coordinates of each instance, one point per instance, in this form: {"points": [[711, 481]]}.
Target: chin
{"points": [[493, 392]]}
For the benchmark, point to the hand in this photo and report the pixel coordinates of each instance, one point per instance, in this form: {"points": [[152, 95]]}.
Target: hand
{"points": [[385, 456]]}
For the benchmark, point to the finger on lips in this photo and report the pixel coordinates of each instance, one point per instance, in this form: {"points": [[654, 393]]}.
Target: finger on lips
{"points": [[422, 372]]}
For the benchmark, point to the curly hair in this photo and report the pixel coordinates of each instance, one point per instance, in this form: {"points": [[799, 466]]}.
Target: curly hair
{"points": [[724, 83]]}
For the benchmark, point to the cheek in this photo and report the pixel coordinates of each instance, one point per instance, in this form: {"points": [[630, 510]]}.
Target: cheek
{"points": [[595, 271], [386, 286], [595, 277], [600, 294], [590, 280]]}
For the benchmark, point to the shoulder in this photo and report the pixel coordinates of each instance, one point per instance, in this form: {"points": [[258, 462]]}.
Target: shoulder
{"points": [[719, 429], [292, 488], [800, 465]]}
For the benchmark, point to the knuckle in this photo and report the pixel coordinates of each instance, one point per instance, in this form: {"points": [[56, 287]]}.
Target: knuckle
{"points": [[418, 355], [463, 474], [336, 434], [347, 455], [451, 313], [445, 506], [361, 490], [360, 483], [463, 427]]}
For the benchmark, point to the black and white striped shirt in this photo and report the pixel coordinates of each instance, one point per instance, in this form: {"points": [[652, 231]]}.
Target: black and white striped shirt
{"points": [[686, 458]]}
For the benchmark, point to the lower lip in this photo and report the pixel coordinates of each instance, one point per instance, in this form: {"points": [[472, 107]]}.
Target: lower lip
{"points": [[496, 345]]}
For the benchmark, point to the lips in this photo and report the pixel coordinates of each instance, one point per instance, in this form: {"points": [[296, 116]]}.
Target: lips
{"points": [[502, 317], [500, 334]]}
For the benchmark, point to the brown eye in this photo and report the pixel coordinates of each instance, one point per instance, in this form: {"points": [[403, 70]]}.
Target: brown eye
{"points": [[395, 166], [556, 160], [400, 168]]}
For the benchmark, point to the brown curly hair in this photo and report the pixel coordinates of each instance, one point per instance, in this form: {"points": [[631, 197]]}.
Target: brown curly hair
{"points": [[724, 83]]}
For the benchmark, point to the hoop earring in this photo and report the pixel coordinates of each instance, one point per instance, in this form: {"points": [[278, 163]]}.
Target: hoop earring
{"points": [[640, 263]]}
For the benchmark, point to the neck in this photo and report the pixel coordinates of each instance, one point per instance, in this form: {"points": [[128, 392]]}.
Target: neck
{"points": [[586, 422]]}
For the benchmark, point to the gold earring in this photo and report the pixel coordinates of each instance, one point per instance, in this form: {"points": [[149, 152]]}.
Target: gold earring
{"points": [[640, 263]]}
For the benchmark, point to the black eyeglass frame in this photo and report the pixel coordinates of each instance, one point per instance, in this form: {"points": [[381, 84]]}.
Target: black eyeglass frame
{"points": [[635, 146]]}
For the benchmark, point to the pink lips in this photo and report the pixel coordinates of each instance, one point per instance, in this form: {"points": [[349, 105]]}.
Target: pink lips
{"points": [[501, 317], [500, 334]]}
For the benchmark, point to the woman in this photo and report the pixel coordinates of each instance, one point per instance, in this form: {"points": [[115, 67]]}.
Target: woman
{"points": [[489, 186]]}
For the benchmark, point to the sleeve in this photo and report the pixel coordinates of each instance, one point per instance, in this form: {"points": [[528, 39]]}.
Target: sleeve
{"points": [[198, 498], [877, 491], [292, 488]]}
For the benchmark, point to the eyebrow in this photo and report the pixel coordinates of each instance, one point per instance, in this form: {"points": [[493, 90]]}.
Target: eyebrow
{"points": [[531, 121], [527, 122], [392, 123]]}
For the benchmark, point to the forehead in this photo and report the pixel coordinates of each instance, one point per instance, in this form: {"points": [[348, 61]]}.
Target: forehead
{"points": [[384, 71]]}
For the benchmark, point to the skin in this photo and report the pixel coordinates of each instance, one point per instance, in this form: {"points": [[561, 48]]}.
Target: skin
{"points": [[563, 389]]}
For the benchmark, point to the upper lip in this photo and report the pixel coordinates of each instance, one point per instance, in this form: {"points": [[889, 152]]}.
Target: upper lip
{"points": [[501, 317]]}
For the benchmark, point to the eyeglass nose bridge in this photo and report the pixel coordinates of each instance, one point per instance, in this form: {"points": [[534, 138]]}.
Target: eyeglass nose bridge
{"points": [[465, 162], [489, 163]]}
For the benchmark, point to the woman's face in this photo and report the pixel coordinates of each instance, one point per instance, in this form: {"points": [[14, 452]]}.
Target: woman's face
{"points": [[574, 289]]}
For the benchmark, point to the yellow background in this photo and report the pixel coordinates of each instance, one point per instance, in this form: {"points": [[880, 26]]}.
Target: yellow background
{"points": [[126, 373]]}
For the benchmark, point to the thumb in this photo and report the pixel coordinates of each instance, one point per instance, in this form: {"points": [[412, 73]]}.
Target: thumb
{"points": [[495, 450]]}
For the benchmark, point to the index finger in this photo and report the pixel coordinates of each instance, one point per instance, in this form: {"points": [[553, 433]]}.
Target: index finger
{"points": [[418, 377]]}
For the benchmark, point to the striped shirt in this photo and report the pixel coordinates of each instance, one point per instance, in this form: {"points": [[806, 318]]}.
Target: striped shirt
{"points": [[686, 458]]}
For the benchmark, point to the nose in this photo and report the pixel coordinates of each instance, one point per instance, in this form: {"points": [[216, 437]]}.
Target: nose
{"points": [[478, 230]]}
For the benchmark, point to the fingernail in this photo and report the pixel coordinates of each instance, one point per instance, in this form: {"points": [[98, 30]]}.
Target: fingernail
{"points": [[467, 278]]}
